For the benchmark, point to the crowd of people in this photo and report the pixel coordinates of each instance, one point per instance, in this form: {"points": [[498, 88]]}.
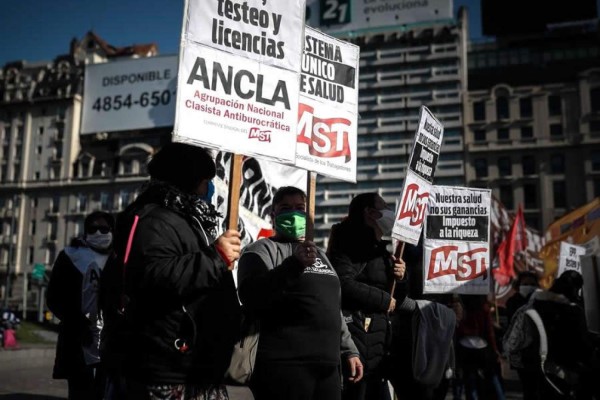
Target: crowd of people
{"points": [[150, 309]]}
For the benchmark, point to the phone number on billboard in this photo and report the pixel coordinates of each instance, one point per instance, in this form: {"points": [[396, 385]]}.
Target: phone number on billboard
{"points": [[145, 99]]}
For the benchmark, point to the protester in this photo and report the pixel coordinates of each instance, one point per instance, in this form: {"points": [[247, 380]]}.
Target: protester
{"points": [[570, 346], [290, 285], [367, 270], [182, 308], [477, 351], [73, 298], [525, 285]]}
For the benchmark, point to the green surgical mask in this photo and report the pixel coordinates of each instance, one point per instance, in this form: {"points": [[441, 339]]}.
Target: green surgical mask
{"points": [[292, 224]]}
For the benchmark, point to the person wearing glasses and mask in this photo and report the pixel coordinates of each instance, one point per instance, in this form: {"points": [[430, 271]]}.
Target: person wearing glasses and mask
{"points": [[290, 286], [367, 270], [73, 298]]}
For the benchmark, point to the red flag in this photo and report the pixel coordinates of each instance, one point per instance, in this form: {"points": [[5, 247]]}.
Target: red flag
{"points": [[507, 249]]}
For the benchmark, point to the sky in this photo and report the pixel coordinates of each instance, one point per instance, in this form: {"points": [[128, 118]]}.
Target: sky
{"points": [[40, 30]]}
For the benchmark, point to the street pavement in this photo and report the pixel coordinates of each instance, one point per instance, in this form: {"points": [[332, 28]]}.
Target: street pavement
{"points": [[27, 374]]}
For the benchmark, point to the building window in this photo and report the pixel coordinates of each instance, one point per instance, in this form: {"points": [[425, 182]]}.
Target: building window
{"points": [[55, 204], [105, 201], [479, 111], [556, 130], [123, 199], [504, 166], [528, 165], [525, 107], [596, 187], [34, 202], [53, 230], [481, 168], [32, 226], [502, 111], [38, 150], [37, 175], [557, 164], [30, 252], [554, 106], [559, 193], [532, 221], [530, 195], [81, 202], [595, 156], [41, 130], [479, 135], [503, 134], [526, 132], [50, 255], [506, 196], [595, 99]]}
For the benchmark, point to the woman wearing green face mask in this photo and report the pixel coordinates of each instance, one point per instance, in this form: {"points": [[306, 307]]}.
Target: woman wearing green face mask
{"points": [[290, 285]]}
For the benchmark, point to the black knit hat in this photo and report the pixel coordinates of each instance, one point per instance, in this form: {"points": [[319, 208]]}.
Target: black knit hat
{"points": [[182, 165]]}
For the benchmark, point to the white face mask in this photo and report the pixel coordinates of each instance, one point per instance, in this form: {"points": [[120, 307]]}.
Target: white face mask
{"points": [[98, 240], [386, 222], [526, 290]]}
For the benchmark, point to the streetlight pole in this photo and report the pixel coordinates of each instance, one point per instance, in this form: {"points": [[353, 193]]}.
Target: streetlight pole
{"points": [[10, 250]]}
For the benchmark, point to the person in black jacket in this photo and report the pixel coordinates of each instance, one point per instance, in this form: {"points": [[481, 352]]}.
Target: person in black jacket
{"points": [[367, 271], [182, 310], [289, 284], [73, 298]]}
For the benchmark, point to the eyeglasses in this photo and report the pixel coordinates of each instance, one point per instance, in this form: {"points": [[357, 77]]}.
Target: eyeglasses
{"points": [[95, 228]]}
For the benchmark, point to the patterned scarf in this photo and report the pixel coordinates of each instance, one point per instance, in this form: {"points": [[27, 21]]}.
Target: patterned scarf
{"points": [[189, 205]]}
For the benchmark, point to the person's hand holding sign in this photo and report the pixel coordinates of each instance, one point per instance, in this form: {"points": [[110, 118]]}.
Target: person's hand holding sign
{"points": [[399, 268]]}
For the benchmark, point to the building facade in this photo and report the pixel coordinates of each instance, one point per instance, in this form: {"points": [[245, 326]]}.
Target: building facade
{"points": [[532, 120], [50, 176], [399, 72]]}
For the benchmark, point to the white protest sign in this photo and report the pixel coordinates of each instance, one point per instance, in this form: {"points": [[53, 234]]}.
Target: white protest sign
{"points": [[267, 31], [238, 84], [456, 251], [328, 110], [129, 94], [419, 177], [569, 258]]}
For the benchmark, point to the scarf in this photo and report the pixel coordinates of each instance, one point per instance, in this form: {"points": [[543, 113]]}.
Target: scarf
{"points": [[191, 206]]}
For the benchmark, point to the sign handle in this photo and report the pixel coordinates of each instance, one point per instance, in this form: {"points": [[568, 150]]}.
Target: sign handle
{"points": [[311, 186], [398, 254], [235, 183]]}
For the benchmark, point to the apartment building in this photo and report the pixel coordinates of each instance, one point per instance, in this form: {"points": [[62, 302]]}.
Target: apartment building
{"points": [[400, 71], [50, 176], [532, 120]]}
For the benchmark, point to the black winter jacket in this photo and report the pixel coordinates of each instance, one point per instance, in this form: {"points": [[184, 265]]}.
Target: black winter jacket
{"points": [[183, 314], [365, 269]]}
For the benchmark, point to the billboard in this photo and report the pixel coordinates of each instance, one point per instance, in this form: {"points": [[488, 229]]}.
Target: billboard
{"points": [[130, 94], [338, 16]]}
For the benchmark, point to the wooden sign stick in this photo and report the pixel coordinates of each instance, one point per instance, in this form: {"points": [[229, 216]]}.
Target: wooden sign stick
{"points": [[311, 186], [235, 183]]}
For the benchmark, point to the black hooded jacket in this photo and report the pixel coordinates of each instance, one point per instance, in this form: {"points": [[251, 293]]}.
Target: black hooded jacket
{"points": [[183, 312], [365, 269]]}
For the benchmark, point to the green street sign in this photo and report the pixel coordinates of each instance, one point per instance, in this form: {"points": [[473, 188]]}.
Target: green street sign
{"points": [[39, 270]]}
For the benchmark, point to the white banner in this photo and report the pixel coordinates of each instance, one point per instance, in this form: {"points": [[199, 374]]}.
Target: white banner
{"points": [[569, 258], [419, 177], [456, 251], [337, 16], [266, 31], [328, 110], [238, 85], [129, 94]]}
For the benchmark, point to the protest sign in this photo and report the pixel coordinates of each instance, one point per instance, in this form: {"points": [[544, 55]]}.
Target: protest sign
{"points": [[238, 82], [328, 110], [456, 251], [569, 258], [419, 177]]}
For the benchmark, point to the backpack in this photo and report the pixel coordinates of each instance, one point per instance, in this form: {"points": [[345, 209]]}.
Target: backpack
{"points": [[114, 303]]}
